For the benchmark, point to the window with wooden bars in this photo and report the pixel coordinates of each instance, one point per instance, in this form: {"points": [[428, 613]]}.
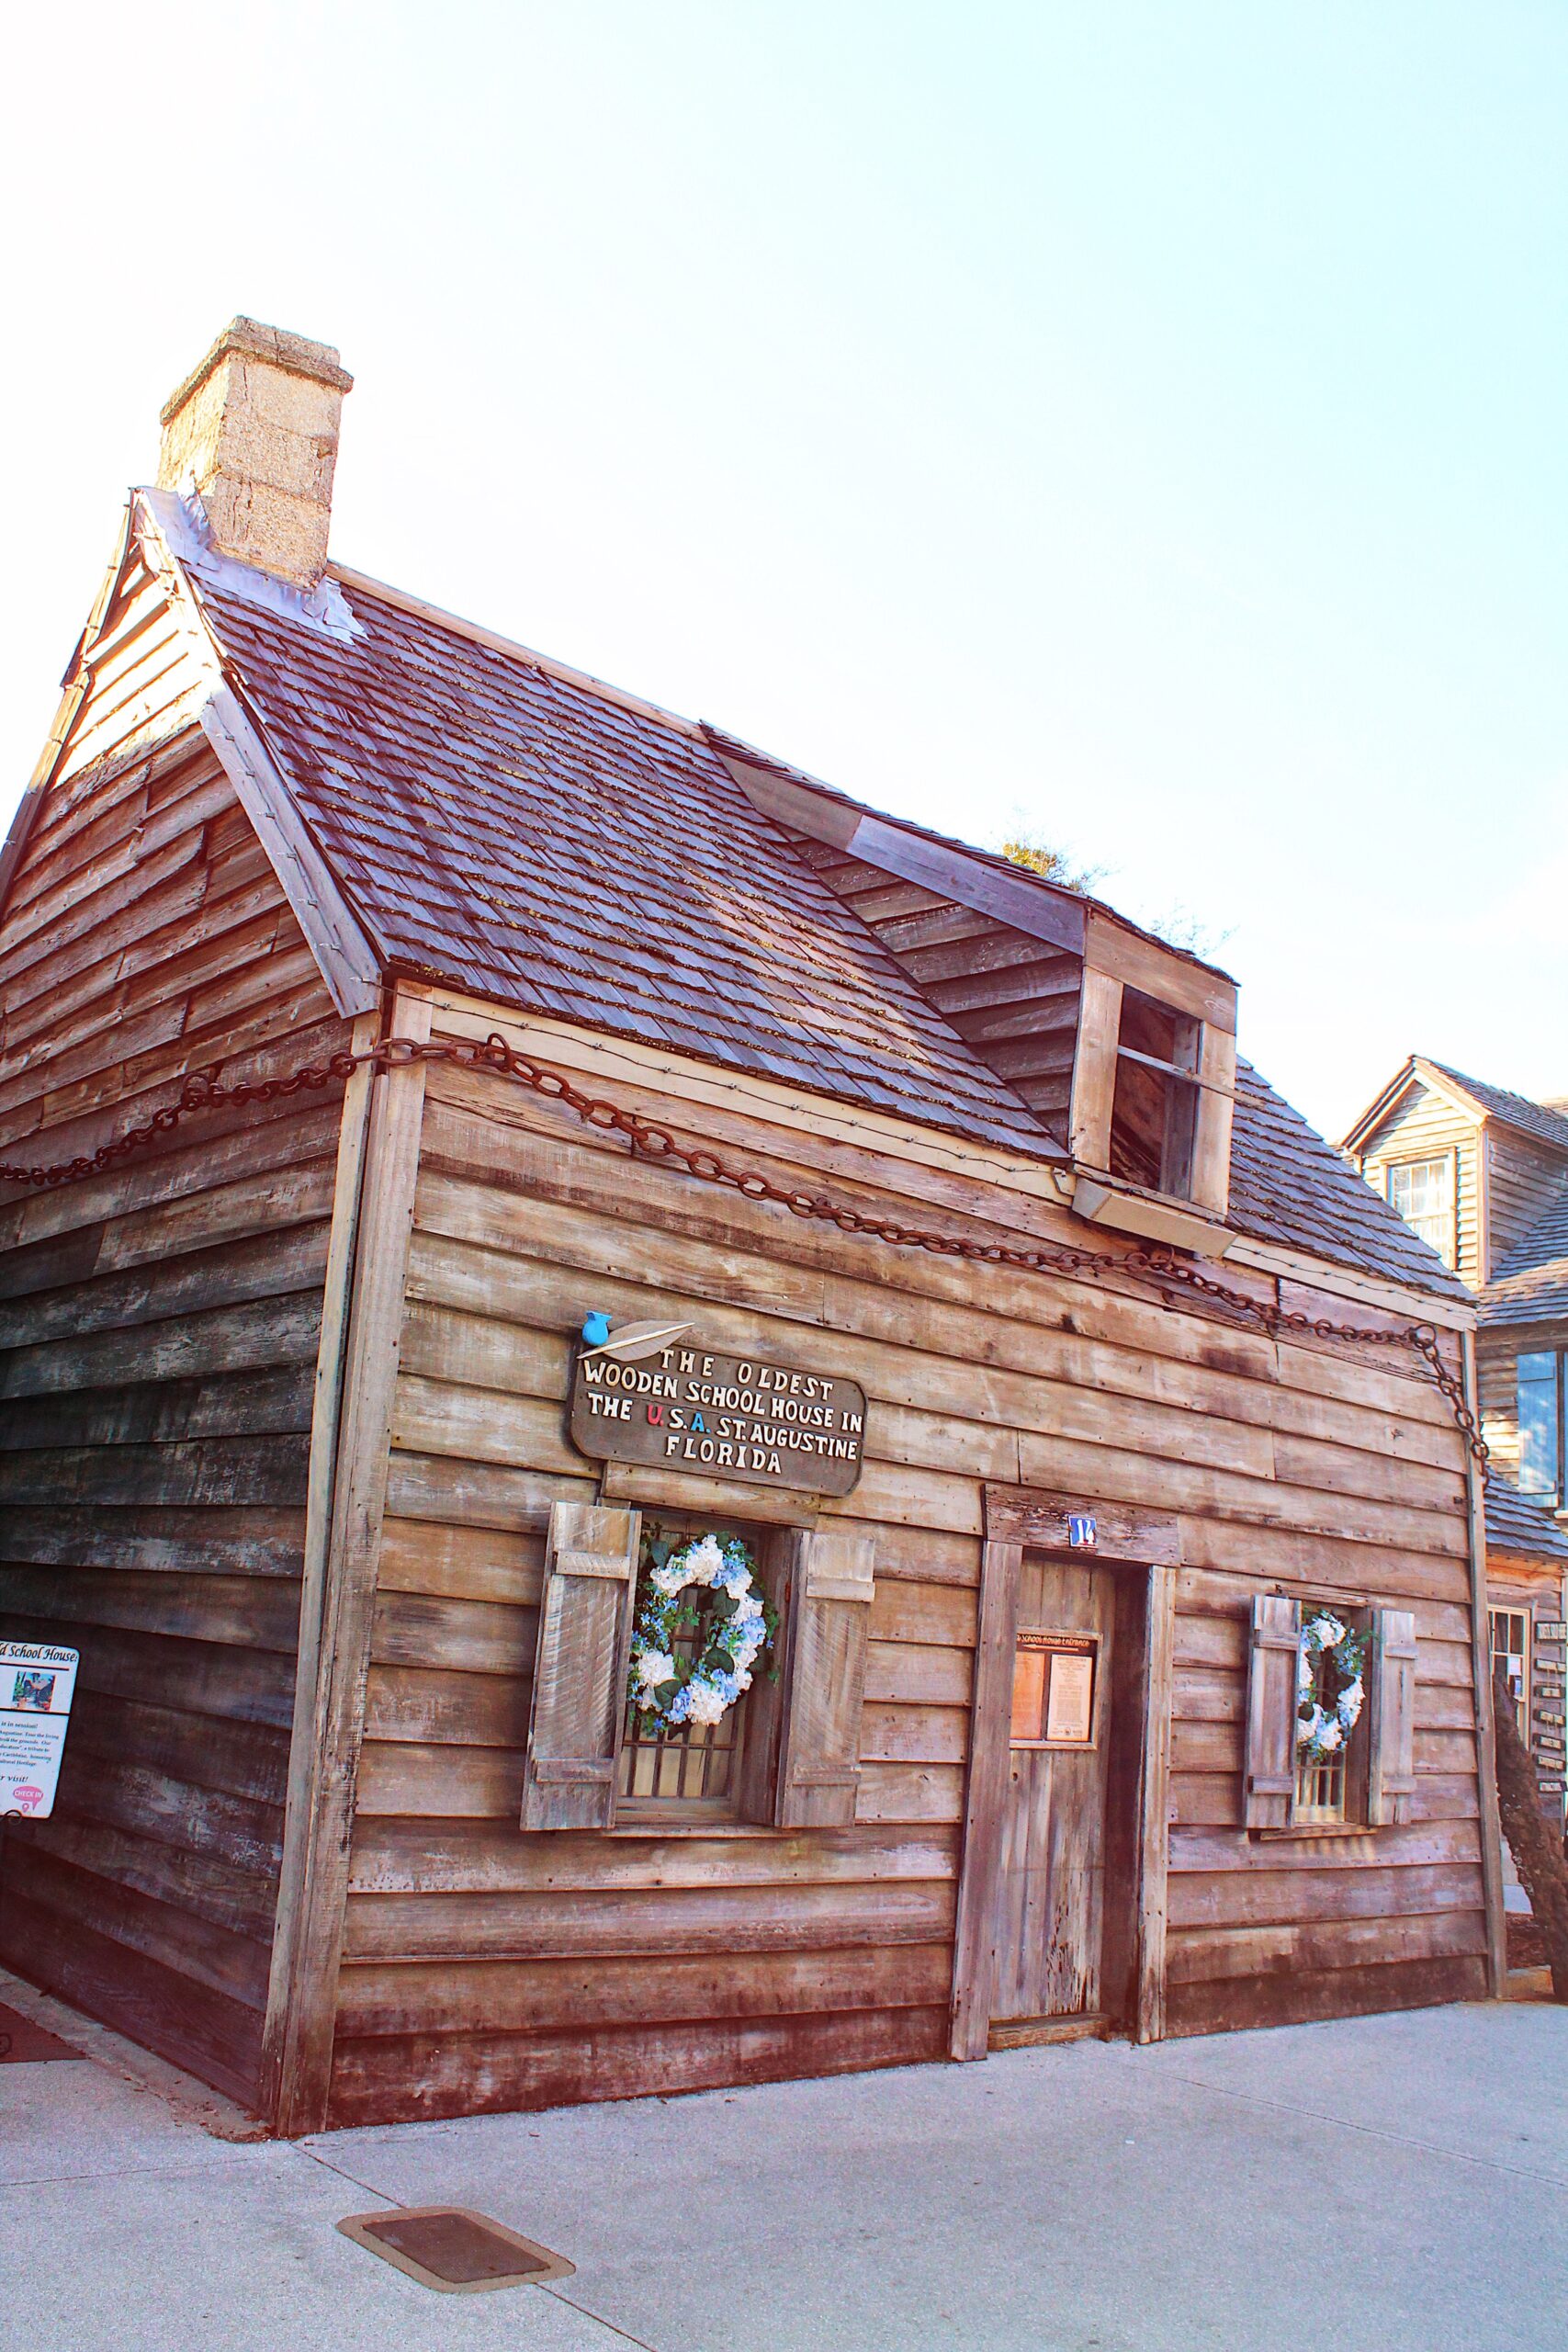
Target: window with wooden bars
{"points": [[1372, 1782], [785, 1753], [689, 1766], [1324, 1784]]}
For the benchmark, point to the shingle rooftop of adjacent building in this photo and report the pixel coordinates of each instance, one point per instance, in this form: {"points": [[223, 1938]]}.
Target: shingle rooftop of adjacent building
{"points": [[534, 839], [1538, 1119], [1288, 1185], [1513, 1523], [1531, 1284]]}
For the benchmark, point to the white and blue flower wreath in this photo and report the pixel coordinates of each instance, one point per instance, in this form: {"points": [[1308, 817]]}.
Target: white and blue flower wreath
{"points": [[667, 1689], [1321, 1732]]}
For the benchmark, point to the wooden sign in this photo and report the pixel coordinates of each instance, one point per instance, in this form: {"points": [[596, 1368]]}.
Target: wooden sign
{"points": [[691, 1409]]}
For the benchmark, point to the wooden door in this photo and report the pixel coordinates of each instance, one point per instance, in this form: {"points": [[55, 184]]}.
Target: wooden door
{"points": [[1051, 1873]]}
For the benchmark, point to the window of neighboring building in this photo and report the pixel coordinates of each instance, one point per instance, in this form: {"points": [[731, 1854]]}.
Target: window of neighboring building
{"points": [[1423, 1193], [1540, 1411], [1153, 1112], [1511, 1651]]}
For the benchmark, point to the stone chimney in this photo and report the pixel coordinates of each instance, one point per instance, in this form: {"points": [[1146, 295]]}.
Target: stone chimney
{"points": [[253, 431]]}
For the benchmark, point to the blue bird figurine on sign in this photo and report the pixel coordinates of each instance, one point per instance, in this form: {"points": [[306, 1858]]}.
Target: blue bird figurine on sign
{"points": [[596, 1329]]}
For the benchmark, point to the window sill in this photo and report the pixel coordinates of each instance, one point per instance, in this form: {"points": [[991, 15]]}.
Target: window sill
{"points": [[1318, 1829], [688, 1824], [1153, 1216]]}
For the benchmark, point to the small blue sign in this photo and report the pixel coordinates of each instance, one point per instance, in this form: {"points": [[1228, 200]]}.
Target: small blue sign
{"points": [[1082, 1533]]}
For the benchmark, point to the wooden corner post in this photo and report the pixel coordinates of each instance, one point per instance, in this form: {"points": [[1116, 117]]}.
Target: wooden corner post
{"points": [[975, 1955], [326, 1413], [1481, 1653], [1153, 1803], [330, 1717]]}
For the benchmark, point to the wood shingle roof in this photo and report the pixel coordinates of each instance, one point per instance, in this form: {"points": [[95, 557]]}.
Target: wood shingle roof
{"points": [[530, 838], [1513, 1523], [516, 834], [1531, 1284], [1538, 1119]]}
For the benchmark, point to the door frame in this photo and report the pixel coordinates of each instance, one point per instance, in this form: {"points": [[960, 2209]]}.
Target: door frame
{"points": [[1020, 1519]]}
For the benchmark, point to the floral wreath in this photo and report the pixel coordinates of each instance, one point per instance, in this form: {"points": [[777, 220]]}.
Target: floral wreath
{"points": [[1321, 1732], [665, 1689]]}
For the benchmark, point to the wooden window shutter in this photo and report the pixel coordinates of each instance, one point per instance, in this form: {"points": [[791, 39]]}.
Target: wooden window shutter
{"points": [[1269, 1766], [832, 1577], [580, 1670], [1391, 1758]]}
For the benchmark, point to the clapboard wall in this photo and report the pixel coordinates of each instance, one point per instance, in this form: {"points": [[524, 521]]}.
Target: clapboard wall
{"points": [[486, 1968], [159, 1329], [1522, 1177]]}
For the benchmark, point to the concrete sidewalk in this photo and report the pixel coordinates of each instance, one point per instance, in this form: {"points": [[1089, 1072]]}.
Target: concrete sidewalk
{"points": [[1398, 2183]]}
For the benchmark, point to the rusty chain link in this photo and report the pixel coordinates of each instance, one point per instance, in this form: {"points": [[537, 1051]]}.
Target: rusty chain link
{"points": [[204, 1090]]}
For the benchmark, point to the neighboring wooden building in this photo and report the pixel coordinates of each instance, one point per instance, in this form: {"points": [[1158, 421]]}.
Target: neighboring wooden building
{"points": [[1469, 1165], [1527, 1593], [355, 1820], [1483, 1175]]}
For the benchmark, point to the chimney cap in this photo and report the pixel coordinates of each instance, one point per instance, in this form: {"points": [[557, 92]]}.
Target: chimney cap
{"points": [[295, 354]]}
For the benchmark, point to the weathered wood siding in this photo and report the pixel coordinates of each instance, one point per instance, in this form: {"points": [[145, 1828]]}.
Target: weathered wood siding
{"points": [[158, 1341], [486, 1968], [1521, 1178], [1425, 1126], [1497, 1371]]}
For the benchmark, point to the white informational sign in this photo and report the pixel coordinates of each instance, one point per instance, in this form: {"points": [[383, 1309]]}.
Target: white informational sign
{"points": [[37, 1682], [1069, 1712]]}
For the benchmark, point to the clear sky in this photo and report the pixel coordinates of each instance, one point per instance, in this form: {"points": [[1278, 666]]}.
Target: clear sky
{"points": [[1150, 420]]}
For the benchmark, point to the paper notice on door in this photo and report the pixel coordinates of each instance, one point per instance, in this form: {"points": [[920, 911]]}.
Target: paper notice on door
{"points": [[37, 1684], [1069, 1710]]}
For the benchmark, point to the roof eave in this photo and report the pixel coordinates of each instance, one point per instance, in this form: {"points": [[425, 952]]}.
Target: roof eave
{"points": [[75, 685], [350, 960], [828, 815]]}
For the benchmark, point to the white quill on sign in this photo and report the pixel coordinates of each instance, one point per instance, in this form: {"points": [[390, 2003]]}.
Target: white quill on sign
{"points": [[632, 1342]]}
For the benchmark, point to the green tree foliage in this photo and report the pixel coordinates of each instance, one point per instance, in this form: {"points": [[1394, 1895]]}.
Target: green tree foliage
{"points": [[1027, 849], [1179, 928]]}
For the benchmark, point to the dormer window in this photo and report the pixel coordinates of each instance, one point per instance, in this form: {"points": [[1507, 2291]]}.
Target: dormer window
{"points": [[1153, 1108], [1154, 1082]]}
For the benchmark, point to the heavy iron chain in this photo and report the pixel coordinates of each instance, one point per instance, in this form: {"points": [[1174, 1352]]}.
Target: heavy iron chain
{"points": [[204, 1090]]}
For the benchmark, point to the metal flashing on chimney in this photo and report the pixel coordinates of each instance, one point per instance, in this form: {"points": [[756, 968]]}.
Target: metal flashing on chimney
{"points": [[183, 527]]}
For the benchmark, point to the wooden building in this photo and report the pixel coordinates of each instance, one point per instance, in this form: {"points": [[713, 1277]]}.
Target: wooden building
{"points": [[1483, 1175], [1526, 1599], [1054, 1377], [1469, 1165]]}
